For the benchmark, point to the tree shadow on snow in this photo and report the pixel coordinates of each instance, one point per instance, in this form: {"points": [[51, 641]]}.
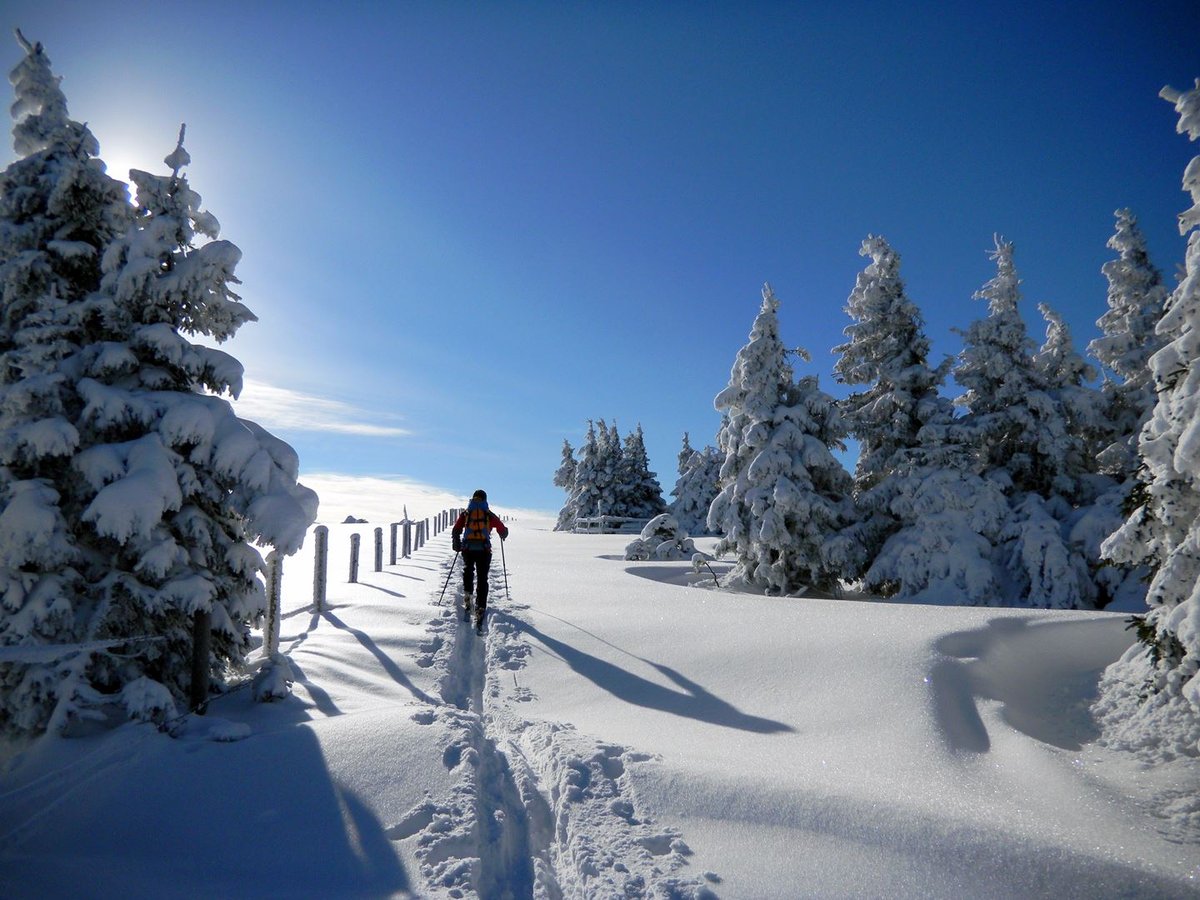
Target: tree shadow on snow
{"points": [[692, 701], [1044, 673], [388, 664], [201, 818]]}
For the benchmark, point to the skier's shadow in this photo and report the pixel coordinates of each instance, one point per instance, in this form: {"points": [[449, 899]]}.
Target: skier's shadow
{"points": [[691, 701]]}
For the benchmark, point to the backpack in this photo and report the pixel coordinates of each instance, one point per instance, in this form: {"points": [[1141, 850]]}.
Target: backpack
{"points": [[477, 530]]}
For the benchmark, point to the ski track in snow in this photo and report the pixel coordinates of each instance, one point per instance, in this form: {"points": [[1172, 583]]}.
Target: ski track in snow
{"points": [[537, 810]]}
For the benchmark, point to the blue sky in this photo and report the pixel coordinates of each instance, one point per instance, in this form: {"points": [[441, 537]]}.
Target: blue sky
{"points": [[469, 227]]}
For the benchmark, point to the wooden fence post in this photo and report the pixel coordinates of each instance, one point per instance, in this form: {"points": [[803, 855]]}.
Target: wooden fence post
{"points": [[378, 549], [274, 583], [392, 552], [355, 540], [320, 567]]}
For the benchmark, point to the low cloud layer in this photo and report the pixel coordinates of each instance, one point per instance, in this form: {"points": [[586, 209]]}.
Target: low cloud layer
{"points": [[383, 499], [281, 409]]}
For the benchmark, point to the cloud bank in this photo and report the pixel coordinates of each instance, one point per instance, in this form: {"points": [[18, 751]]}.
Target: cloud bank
{"points": [[282, 409]]}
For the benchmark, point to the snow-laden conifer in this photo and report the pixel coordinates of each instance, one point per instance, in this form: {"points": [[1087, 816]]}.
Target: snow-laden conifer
{"points": [[1136, 299], [564, 477], [1067, 376], [949, 518], [58, 213], [1018, 427], [685, 453], [696, 487], [585, 493], [888, 352], [607, 470], [1013, 421], [1093, 512], [784, 497], [639, 495], [148, 491], [1150, 699]]}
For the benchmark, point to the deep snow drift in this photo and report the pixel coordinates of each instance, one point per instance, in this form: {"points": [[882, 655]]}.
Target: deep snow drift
{"points": [[618, 732]]}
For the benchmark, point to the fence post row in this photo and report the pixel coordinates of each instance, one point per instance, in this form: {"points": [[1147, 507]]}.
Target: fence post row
{"points": [[404, 543]]}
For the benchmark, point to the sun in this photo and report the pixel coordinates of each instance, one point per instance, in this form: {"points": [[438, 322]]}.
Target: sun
{"points": [[128, 150]]}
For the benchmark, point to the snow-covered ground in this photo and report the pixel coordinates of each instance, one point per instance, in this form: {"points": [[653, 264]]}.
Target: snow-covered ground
{"points": [[617, 732]]}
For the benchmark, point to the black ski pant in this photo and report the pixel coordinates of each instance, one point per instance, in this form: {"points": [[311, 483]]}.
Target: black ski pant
{"points": [[477, 561]]}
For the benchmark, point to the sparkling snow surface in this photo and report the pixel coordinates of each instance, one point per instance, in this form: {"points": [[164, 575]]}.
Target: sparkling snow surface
{"points": [[619, 733]]}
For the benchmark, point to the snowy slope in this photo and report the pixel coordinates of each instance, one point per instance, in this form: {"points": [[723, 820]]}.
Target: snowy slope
{"points": [[618, 733]]}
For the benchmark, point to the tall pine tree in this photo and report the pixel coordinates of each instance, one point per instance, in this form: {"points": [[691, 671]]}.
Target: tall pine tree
{"points": [[640, 493], [148, 491], [1151, 697], [1136, 299], [696, 487], [564, 477], [889, 353], [782, 492]]}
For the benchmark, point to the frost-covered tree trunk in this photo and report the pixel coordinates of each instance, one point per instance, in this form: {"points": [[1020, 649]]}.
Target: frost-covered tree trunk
{"points": [[784, 496], [1150, 699], [150, 491]]}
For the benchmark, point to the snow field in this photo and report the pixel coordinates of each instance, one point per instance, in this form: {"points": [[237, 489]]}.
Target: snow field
{"points": [[618, 733]]}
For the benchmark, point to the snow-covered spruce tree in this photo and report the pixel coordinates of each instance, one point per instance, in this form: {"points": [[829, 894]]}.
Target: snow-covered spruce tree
{"points": [[1066, 375], [583, 500], [158, 491], [889, 352], [1097, 503], [1136, 299], [608, 471], [58, 213], [564, 478], [1150, 699], [685, 453], [1013, 421], [783, 496], [696, 487], [1018, 429], [640, 494]]}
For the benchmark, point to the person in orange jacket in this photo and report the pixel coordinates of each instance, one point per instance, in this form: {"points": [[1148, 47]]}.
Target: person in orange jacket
{"points": [[472, 534]]}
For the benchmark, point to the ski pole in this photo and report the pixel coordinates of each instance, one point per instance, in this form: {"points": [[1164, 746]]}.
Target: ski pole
{"points": [[504, 566], [448, 574]]}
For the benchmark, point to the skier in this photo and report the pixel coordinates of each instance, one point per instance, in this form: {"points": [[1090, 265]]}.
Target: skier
{"points": [[472, 534]]}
